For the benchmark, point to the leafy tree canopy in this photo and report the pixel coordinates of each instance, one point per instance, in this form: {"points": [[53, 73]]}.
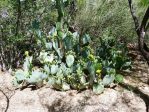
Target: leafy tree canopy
{"points": [[144, 2]]}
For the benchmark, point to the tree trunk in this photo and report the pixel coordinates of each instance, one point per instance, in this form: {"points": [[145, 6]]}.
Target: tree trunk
{"points": [[143, 47], [141, 31]]}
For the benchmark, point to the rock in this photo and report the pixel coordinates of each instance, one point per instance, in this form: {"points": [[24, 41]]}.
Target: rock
{"points": [[26, 101], [49, 100], [5, 80]]}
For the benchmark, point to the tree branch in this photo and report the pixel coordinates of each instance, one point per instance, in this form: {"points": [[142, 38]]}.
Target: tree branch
{"points": [[134, 16], [145, 19], [147, 26], [18, 17], [140, 30]]}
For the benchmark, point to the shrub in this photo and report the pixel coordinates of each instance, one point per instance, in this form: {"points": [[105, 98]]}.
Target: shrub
{"points": [[69, 64], [98, 16]]}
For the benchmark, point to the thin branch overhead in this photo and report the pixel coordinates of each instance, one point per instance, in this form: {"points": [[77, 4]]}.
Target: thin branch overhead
{"points": [[145, 19], [136, 21]]}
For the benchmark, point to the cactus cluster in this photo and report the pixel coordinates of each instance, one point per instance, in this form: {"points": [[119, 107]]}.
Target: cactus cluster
{"points": [[68, 63]]}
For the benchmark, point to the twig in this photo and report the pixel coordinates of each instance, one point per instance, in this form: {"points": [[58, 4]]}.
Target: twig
{"points": [[7, 98]]}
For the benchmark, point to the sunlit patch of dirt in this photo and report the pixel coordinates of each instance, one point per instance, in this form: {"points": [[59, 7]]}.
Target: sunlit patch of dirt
{"points": [[140, 69]]}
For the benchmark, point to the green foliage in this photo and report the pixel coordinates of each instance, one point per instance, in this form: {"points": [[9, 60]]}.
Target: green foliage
{"points": [[98, 88], [70, 60], [98, 16], [113, 53], [66, 59], [144, 2], [67, 67], [108, 79], [20, 23], [119, 78]]}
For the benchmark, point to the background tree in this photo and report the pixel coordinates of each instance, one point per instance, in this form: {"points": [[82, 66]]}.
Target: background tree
{"points": [[141, 28]]}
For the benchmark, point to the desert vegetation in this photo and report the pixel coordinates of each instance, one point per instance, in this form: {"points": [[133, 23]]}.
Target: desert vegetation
{"points": [[71, 44]]}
